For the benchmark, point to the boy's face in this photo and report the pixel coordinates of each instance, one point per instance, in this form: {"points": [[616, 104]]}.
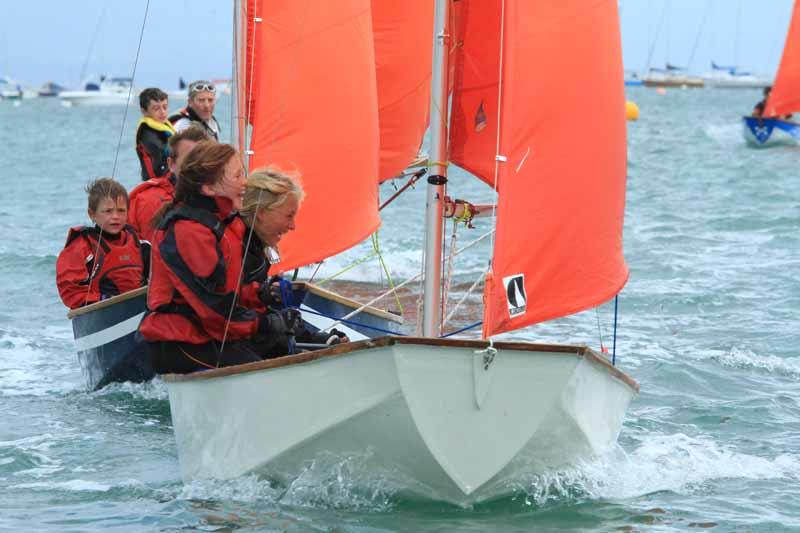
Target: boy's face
{"points": [[111, 215], [157, 110]]}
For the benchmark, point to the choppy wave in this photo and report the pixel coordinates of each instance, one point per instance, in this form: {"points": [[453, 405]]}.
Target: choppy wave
{"points": [[746, 359]]}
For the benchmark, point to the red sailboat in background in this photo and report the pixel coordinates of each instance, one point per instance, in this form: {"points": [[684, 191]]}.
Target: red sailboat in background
{"points": [[323, 90]]}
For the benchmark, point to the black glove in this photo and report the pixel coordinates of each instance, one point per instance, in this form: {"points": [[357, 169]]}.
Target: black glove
{"points": [[273, 325], [293, 319], [269, 292], [330, 338]]}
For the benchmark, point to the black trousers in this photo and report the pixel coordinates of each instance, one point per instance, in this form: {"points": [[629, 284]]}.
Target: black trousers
{"points": [[182, 357]]}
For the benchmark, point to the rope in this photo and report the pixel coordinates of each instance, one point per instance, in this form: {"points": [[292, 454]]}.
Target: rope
{"points": [[376, 247], [130, 88], [119, 142], [465, 328], [614, 346], [599, 332], [466, 295], [347, 268]]}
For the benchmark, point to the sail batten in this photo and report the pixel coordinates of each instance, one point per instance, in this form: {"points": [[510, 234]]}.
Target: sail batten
{"points": [[296, 54], [556, 104], [785, 96]]}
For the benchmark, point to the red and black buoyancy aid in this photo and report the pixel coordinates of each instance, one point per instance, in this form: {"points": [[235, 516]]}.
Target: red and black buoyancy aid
{"points": [[184, 305], [189, 113], [114, 265]]}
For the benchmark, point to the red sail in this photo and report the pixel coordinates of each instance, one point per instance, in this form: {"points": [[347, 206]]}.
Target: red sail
{"points": [[785, 96], [312, 104], [402, 33], [554, 72]]}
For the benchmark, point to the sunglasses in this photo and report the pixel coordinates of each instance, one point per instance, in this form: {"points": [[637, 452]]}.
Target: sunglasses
{"points": [[201, 87]]}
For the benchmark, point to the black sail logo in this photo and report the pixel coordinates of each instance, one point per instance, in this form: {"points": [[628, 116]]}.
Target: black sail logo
{"points": [[515, 294], [480, 118]]}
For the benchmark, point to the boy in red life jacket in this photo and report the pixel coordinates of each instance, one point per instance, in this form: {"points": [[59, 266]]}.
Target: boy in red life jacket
{"points": [[147, 198], [152, 133], [107, 259]]}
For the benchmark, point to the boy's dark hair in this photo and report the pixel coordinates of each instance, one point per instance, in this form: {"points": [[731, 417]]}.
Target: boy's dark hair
{"points": [[105, 188], [192, 133], [151, 94]]}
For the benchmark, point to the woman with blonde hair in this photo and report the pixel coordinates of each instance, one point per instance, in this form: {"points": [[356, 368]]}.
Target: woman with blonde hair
{"points": [[271, 201]]}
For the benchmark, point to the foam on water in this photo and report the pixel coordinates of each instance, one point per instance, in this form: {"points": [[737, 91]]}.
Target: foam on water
{"points": [[676, 463], [747, 359]]}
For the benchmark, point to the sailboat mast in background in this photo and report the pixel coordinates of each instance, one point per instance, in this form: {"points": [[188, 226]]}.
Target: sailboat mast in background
{"points": [[431, 310]]}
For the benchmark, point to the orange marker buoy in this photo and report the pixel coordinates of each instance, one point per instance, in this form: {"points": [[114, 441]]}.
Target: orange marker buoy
{"points": [[631, 111], [661, 90]]}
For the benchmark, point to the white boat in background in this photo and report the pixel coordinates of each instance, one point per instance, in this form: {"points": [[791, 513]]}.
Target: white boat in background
{"points": [[461, 421], [10, 89], [730, 77], [110, 91]]}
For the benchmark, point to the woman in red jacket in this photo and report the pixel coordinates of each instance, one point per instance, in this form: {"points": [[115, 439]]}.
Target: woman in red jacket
{"points": [[195, 319], [106, 259]]}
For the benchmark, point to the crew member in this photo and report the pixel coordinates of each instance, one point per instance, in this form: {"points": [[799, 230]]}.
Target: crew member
{"points": [[147, 198], [152, 133], [200, 110], [195, 319], [270, 204], [106, 259]]}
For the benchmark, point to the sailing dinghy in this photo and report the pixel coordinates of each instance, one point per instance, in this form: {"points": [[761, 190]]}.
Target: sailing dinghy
{"points": [[448, 419], [773, 127]]}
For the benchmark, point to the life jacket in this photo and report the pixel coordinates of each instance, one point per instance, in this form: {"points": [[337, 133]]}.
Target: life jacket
{"points": [[114, 268], [185, 306], [147, 199], [256, 266], [189, 113], [153, 165]]}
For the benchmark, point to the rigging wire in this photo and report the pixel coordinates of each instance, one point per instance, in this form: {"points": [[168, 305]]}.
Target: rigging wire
{"points": [[119, 142]]}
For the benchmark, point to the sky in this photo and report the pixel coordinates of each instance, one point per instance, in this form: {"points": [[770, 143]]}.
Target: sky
{"points": [[59, 40]]}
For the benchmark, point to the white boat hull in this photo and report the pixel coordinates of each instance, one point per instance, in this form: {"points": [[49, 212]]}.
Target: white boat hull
{"points": [[100, 98], [437, 417]]}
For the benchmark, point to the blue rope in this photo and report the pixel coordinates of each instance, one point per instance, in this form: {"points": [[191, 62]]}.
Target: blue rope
{"points": [[353, 322], [614, 348], [465, 328]]}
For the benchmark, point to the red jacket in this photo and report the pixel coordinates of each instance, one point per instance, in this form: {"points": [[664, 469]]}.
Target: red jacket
{"points": [[87, 273], [146, 199], [196, 262]]}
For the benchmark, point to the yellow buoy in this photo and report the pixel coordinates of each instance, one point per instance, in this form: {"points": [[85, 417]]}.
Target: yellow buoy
{"points": [[631, 111]]}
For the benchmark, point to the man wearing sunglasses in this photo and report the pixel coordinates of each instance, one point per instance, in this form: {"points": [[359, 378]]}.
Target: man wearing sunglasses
{"points": [[202, 99]]}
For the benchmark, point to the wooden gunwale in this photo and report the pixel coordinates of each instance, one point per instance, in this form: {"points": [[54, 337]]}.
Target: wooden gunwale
{"points": [[105, 303], [310, 287], [342, 349]]}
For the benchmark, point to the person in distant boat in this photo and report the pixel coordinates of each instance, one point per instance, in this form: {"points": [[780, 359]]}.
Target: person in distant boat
{"points": [[153, 133], [269, 207], [200, 110], [147, 198], [194, 317], [758, 110], [106, 259]]}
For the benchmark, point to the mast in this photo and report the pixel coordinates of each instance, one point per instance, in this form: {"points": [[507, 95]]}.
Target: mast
{"points": [[431, 309], [235, 82]]}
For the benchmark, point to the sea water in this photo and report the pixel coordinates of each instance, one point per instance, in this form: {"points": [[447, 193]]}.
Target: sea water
{"points": [[708, 325]]}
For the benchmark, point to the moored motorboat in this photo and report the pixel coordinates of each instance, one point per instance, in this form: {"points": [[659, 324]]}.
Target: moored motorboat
{"points": [[447, 419], [110, 91]]}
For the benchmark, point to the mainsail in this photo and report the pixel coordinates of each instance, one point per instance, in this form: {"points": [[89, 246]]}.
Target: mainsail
{"points": [[520, 81], [401, 32], [785, 96], [312, 103]]}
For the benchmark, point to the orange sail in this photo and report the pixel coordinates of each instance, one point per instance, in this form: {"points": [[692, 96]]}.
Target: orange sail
{"points": [[785, 96], [402, 33], [556, 71], [312, 104]]}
